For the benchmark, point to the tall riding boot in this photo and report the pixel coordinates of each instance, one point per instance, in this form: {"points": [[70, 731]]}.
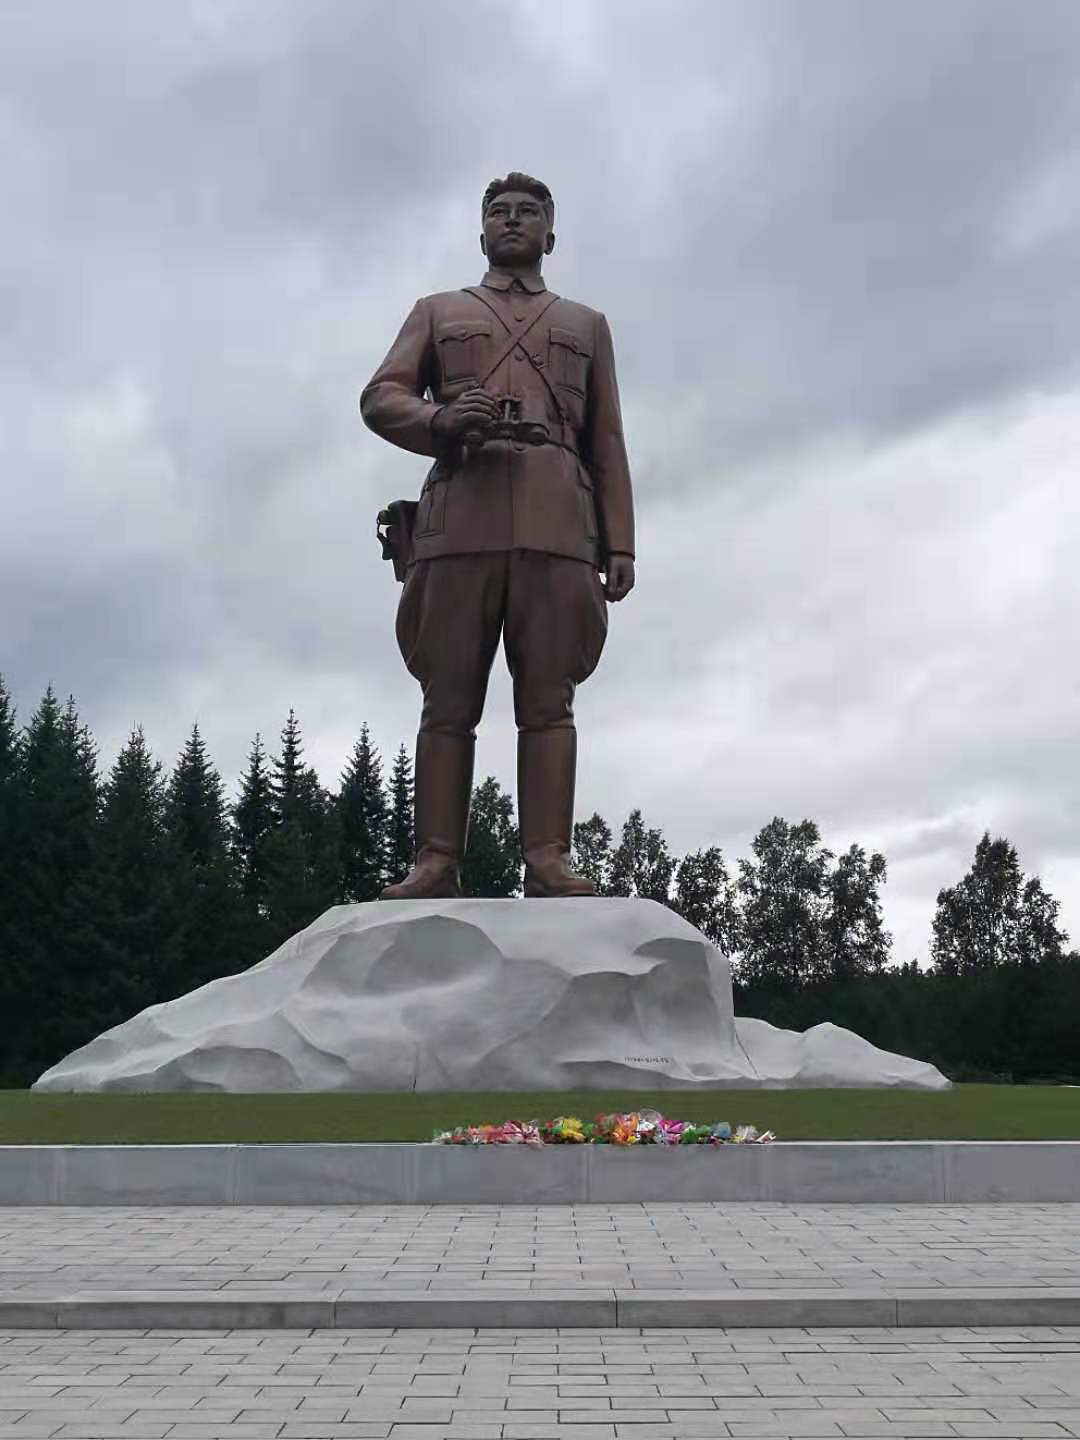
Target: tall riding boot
{"points": [[547, 763], [444, 774]]}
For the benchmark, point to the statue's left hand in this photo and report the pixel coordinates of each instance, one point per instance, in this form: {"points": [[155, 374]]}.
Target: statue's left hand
{"points": [[619, 576]]}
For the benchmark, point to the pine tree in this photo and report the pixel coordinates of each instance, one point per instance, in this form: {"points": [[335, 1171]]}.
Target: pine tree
{"points": [[137, 917], [211, 941], [10, 767], [46, 984], [303, 849], [195, 806], [400, 842], [641, 863], [363, 823], [133, 801], [705, 895], [252, 824], [592, 852], [288, 768], [492, 855], [10, 746], [59, 772]]}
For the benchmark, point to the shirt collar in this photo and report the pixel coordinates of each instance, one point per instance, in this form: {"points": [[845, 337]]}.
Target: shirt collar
{"points": [[503, 280]]}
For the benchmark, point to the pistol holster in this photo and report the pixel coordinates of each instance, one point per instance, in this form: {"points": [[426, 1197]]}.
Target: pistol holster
{"points": [[394, 528]]}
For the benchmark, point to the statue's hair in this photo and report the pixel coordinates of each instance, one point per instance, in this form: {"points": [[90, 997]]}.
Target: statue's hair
{"points": [[517, 180]]}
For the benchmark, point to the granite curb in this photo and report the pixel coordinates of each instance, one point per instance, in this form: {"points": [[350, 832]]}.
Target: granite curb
{"points": [[591, 1309], [790, 1172]]}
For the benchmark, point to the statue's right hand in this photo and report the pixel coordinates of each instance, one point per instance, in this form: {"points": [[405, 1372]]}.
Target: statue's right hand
{"points": [[473, 409]]}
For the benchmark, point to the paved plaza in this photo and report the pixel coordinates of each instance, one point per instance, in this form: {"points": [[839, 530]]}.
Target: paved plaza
{"points": [[451, 1249], [588, 1382], [542, 1384], [591, 1266]]}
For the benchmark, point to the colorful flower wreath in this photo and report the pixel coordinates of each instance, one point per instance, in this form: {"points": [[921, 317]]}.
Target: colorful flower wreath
{"points": [[645, 1127]]}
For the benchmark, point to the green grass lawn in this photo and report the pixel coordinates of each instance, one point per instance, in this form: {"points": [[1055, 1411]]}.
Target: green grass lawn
{"points": [[968, 1112]]}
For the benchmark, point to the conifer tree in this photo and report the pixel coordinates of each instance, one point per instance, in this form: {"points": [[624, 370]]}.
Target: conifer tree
{"points": [[10, 763], [211, 942], [363, 823], [133, 801], [137, 917], [195, 806], [252, 824], [288, 768], [9, 738], [400, 843], [59, 772], [52, 950], [61, 782], [492, 865], [302, 851]]}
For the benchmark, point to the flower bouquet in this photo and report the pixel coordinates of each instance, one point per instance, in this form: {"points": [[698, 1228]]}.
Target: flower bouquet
{"points": [[638, 1127]]}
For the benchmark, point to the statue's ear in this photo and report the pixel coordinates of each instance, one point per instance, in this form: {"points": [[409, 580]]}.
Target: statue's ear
{"points": [[549, 243], [483, 244]]}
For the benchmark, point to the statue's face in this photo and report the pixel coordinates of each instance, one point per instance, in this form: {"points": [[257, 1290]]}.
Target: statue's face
{"points": [[516, 230]]}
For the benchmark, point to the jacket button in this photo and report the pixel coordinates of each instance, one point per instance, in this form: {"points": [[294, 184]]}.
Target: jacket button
{"points": [[519, 447]]}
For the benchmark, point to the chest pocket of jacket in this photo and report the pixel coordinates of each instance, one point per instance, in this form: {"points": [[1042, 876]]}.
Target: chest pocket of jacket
{"points": [[461, 346], [568, 360]]}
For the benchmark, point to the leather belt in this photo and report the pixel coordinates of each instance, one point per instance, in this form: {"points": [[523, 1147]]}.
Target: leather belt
{"points": [[564, 436]]}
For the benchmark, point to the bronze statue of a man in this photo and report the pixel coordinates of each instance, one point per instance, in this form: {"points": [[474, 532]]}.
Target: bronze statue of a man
{"points": [[512, 391]]}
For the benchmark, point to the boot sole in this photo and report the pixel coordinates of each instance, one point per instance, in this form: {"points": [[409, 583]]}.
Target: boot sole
{"points": [[437, 892]]}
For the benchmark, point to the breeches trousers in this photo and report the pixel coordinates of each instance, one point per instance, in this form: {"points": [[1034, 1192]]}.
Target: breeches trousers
{"points": [[549, 610]]}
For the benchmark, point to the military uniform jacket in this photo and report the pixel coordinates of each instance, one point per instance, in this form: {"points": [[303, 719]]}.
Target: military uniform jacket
{"points": [[570, 495]]}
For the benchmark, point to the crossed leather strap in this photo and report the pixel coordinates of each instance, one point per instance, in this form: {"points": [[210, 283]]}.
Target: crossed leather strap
{"points": [[516, 337]]}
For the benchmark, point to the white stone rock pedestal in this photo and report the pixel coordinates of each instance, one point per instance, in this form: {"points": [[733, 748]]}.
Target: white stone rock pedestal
{"points": [[477, 995]]}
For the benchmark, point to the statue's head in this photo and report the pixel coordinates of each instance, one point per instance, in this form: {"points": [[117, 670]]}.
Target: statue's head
{"points": [[518, 216]]}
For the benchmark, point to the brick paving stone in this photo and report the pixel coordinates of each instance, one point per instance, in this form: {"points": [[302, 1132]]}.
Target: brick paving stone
{"points": [[815, 1384], [446, 1250]]}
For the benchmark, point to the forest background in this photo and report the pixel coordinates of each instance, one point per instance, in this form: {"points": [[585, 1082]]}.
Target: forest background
{"points": [[122, 890]]}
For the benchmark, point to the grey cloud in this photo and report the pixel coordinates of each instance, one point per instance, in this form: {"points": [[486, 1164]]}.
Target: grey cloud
{"points": [[822, 233], [852, 232]]}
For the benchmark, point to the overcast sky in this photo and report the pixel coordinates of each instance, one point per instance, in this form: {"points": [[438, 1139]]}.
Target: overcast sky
{"points": [[838, 244]]}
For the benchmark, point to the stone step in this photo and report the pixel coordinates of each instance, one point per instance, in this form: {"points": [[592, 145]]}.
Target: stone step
{"points": [[356, 1308]]}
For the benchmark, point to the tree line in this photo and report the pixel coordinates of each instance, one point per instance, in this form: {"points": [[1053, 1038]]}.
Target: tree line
{"points": [[125, 889]]}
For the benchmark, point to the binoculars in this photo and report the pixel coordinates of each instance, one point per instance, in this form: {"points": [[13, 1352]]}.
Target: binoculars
{"points": [[510, 425]]}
